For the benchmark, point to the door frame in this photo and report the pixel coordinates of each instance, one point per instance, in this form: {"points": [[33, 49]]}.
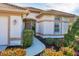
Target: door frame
{"points": [[8, 30], [30, 20]]}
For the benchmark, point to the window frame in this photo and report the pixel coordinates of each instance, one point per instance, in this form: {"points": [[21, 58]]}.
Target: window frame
{"points": [[57, 25], [58, 18], [56, 28]]}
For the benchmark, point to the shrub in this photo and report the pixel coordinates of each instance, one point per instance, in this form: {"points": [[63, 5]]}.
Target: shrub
{"points": [[76, 46], [69, 51], [68, 39], [49, 41], [58, 42], [27, 38], [54, 41], [74, 31]]}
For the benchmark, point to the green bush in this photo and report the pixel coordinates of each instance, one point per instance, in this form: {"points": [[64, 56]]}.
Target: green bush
{"points": [[56, 41], [27, 38], [49, 41], [76, 46], [69, 53], [68, 39]]}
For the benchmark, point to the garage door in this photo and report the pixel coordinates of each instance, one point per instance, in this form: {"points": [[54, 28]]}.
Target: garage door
{"points": [[3, 30]]}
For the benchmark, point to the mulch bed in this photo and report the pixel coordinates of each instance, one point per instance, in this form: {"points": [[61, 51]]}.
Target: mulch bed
{"points": [[47, 46], [43, 41], [17, 46]]}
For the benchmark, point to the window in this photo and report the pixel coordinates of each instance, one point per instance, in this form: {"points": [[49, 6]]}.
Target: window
{"points": [[57, 18], [57, 25], [56, 28]]}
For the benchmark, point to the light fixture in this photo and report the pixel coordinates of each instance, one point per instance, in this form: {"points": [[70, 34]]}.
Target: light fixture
{"points": [[14, 22]]}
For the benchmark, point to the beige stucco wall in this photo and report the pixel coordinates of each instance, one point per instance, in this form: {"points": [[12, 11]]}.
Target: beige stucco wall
{"points": [[46, 17], [16, 28], [51, 17]]}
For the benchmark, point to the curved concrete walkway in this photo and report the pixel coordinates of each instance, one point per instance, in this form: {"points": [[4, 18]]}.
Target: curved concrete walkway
{"points": [[2, 48], [36, 48]]}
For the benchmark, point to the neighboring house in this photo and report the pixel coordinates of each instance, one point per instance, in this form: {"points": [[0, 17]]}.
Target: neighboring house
{"points": [[47, 24]]}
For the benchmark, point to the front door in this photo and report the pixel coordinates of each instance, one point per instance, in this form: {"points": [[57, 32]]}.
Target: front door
{"points": [[28, 25], [3, 30]]}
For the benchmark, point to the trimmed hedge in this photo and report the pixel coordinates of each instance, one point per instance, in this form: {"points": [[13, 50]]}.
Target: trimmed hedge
{"points": [[27, 38]]}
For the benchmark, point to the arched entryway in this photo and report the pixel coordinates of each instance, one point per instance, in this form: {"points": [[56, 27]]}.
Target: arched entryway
{"points": [[30, 24]]}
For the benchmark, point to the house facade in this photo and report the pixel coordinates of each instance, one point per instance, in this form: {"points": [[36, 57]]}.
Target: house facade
{"points": [[53, 24], [46, 24]]}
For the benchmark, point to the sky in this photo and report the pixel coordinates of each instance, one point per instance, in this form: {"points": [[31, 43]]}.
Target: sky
{"points": [[65, 7]]}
